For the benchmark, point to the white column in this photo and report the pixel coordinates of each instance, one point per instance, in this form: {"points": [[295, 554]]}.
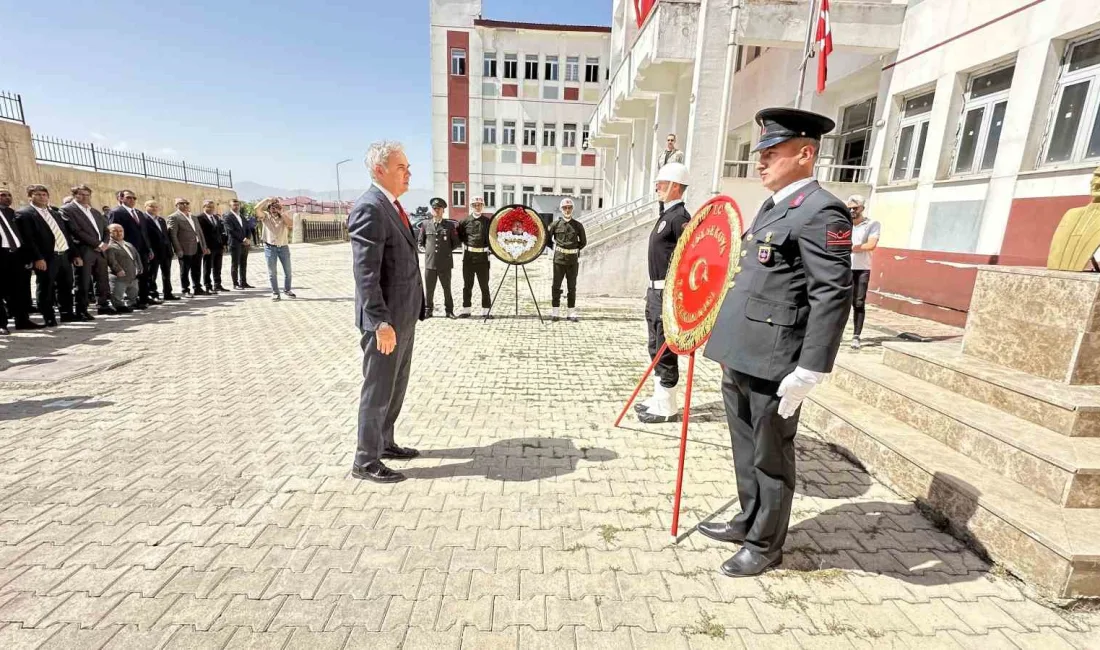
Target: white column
{"points": [[643, 140], [702, 146], [622, 172]]}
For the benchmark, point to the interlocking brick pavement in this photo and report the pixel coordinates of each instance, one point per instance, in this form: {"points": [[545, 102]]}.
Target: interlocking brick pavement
{"points": [[195, 492]]}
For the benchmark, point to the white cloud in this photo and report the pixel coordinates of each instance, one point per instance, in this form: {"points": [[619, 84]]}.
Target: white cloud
{"points": [[122, 146], [99, 137], [168, 151]]}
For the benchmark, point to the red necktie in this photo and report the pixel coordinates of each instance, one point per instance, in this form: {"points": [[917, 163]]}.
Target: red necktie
{"points": [[401, 211]]}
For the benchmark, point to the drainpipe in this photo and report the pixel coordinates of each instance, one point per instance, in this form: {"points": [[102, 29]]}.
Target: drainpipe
{"points": [[727, 98]]}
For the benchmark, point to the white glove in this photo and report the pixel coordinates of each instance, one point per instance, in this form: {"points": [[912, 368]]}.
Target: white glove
{"points": [[794, 388]]}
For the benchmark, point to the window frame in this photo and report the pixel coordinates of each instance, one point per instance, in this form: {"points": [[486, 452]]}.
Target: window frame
{"points": [[458, 55], [921, 125], [528, 194], [489, 67], [572, 69], [551, 69], [550, 135], [530, 134], [457, 200], [489, 195], [586, 198], [988, 105], [507, 131], [569, 135], [458, 126], [591, 62], [514, 60], [489, 132], [507, 194], [531, 63], [1090, 110], [567, 191]]}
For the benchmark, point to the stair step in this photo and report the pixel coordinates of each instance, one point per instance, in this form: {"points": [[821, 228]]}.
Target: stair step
{"points": [[1064, 470], [1055, 548], [1069, 410]]}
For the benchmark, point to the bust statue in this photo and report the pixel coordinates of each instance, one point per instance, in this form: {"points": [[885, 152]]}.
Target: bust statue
{"points": [[1076, 243]]}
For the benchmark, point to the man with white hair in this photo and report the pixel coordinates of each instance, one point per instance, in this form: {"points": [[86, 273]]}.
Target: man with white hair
{"points": [[567, 237], [389, 300]]}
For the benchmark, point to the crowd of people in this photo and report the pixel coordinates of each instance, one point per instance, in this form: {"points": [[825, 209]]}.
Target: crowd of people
{"points": [[80, 256]]}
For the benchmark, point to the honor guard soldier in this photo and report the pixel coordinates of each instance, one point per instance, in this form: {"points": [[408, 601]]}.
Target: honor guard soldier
{"points": [[438, 237], [474, 235], [779, 330], [672, 182], [567, 237]]}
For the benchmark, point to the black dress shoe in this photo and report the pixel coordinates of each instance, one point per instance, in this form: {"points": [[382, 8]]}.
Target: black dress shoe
{"points": [[220, 288], [427, 315], [106, 310], [463, 315], [171, 297], [187, 293], [141, 306], [247, 286], [85, 317], [51, 322], [451, 315], [555, 319], [124, 310], [721, 531], [376, 472], [746, 562], [237, 287], [27, 325], [69, 318], [400, 453]]}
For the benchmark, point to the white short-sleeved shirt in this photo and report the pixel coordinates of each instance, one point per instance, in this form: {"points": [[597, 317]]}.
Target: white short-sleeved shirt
{"points": [[861, 260]]}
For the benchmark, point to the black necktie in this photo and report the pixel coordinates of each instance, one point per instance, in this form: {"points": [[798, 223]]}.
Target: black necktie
{"points": [[8, 234]]}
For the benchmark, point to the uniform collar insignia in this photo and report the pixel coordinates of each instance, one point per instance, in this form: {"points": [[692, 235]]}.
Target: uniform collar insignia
{"points": [[798, 200]]}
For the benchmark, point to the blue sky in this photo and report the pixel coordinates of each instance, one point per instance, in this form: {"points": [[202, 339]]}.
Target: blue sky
{"points": [[277, 91]]}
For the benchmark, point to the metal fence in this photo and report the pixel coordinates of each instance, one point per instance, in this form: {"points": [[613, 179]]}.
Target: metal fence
{"points": [[321, 231], [11, 107], [82, 154]]}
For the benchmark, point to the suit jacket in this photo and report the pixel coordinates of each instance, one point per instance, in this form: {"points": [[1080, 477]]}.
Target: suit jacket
{"points": [[158, 240], [385, 265], [185, 239], [119, 260], [791, 299], [212, 231], [38, 239], [133, 229], [439, 241], [235, 231], [87, 238], [22, 253]]}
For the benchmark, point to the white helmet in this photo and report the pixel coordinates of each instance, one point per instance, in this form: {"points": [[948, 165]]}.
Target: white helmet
{"points": [[566, 202], [674, 172]]}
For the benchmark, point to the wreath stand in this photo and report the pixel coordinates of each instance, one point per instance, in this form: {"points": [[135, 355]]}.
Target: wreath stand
{"points": [[516, 268], [683, 427]]}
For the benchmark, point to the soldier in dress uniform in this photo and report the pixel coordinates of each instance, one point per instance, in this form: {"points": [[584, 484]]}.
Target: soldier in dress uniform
{"points": [[779, 330], [438, 237], [474, 235], [567, 237], [672, 182]]}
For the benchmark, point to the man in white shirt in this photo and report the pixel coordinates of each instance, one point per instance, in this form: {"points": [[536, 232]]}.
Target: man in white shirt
{"points": [[45, 235], [15, 275], [131, 220], [89, 229], [276, 232], [239, 241], [865, 235]]}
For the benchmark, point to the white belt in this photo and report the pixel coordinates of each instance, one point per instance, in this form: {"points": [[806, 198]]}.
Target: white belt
{"points": [[569, 251], [476, 250], [657, 284]]}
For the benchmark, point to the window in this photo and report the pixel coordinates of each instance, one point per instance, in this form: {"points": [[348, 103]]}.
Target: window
{"points": [[573, 69], [530, 134], [546, 189], [568, 191], [549, 135], [569, 160], [912, 136], [752, 54], [458, 62], [569, 136], [528, 194], [854, 139], [982, 120], [592, 70], [458, 130], [490, 65], [551, 68], [1075, 135], [490, 134], [586, 199], [458, 195], [584, 136], [511, 66], [509, 134], [508, 194], [531, 67], [490, 196]]}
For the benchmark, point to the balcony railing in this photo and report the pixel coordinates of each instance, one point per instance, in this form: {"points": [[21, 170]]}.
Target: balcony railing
{"points": [[826, 172]]}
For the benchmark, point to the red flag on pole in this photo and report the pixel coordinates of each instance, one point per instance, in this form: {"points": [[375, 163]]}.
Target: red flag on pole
{"points": [[825, 43]]}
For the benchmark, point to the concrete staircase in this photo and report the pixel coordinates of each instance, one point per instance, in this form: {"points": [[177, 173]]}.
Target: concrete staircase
{"points": [[1010, 459]]}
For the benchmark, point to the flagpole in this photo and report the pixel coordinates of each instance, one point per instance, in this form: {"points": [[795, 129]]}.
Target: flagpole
{"points": [[811, 29]]}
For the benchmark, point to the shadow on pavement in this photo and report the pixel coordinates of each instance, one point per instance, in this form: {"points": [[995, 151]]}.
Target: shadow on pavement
{"points": [[30, 408], [517, 459]]}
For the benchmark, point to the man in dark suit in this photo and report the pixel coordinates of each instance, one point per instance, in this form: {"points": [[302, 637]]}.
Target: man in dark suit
{"points": [[239, 239], [15, 274], [439, 238], [779, 330], [157, 232], [89, 229], [214, 235], [52, 253], [129, 217], [389, 300]]}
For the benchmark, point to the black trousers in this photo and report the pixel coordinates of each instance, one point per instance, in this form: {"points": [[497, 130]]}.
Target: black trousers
{"points": [[92, 277], [147, 281], [238, 265], [163, 263], [55, 286], [668, 367], [212, 269], [567, 272], [860, 280], [190, 269], [443, 276], [475, 265], [385, 380], [15, 282], [763, 458]]}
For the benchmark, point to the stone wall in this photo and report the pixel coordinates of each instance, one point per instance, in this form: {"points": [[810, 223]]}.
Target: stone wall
{"points": [[19, 168]]}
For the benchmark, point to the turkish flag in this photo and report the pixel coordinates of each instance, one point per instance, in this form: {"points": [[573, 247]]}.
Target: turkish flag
{"points": [[825, 43], [642, 9]]}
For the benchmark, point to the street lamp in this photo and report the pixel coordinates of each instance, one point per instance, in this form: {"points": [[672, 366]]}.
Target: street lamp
{"points": [[339, 196]]}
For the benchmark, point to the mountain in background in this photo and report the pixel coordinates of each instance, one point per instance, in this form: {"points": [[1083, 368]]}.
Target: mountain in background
{"points": [[249, 191]]}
